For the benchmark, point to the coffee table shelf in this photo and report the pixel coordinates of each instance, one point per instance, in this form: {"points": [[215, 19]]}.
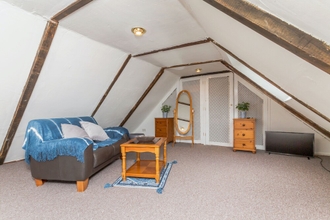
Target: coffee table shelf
{"points": [[144, 169]]}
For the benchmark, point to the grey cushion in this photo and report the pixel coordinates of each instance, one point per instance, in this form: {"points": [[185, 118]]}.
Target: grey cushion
{"points": [[94, 131], [72, 131]]}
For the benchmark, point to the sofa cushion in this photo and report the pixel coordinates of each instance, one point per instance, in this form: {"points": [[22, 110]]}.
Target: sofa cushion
{"points": [[72, 131], [94, 131]]}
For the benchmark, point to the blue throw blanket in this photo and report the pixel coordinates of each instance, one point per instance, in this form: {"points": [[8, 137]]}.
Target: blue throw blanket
{"points": [[44, 139]]}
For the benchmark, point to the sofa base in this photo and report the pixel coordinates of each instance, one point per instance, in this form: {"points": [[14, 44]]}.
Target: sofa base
{"points": [[81, 185]]}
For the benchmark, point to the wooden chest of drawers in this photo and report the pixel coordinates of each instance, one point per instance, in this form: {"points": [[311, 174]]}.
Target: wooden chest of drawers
{"points": [[244, 135], [164, 127]]}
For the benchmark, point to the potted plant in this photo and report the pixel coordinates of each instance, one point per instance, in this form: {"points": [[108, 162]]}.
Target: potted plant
{"points": [[243, 107], [165, 109]]}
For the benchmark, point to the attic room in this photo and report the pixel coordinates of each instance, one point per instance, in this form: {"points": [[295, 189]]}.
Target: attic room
{"points": [[63, 59]]}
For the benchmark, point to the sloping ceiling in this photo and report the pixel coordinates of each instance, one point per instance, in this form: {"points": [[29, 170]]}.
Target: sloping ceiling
{"points": [[91, 44]]}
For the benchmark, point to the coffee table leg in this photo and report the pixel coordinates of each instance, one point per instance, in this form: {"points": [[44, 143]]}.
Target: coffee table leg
{"points": [[157, 164], [123, 153], [165, 153]]}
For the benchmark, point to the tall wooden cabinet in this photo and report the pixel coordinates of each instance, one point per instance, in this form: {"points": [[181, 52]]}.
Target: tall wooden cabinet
{"points": [[164, 127], [244, 134]]}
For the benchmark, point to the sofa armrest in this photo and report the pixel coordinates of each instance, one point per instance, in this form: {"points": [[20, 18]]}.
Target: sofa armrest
{"points": [[116, 132], [64, 168]]}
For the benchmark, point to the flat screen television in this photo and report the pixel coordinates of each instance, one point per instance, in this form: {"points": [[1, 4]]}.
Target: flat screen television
{"points": [[290, 143]]}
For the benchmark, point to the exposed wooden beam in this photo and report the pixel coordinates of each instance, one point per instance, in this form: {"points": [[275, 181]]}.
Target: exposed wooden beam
{"points": [[287, 36], [206, 74], [174, 47], [289, 108], [271, 82], [160, 73], [192, 64], [70, 9], [38, 62], [112, 84]]}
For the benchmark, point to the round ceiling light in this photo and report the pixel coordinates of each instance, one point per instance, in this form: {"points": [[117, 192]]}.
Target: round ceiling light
{"points": [[138, 31]]}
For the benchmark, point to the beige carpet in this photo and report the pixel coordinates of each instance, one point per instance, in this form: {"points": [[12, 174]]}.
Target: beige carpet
{"points": [[208, 182]]}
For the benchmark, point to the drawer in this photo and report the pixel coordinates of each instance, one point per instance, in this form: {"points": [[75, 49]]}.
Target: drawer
{"points": [[244, 124], [161, 132], [247, 134], [160, 122], [246, 144]]}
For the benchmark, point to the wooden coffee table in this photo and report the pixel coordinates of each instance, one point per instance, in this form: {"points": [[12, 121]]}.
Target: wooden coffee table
{"points": [[144, 168]]}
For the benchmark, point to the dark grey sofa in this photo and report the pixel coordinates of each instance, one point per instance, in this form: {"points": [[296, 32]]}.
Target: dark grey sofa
{"points": [[84, 158]]}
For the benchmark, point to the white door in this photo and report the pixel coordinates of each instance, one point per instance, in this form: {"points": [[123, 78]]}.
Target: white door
{"points": [[212, 102], [219, 110]]}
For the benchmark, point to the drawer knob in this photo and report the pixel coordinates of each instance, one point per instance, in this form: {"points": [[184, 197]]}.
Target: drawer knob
{"points": [[243, 144], [243, 135], [243, 125]]}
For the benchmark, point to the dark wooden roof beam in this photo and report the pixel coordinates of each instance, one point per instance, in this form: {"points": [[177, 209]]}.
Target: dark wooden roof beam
{"points": [[307, 47]]}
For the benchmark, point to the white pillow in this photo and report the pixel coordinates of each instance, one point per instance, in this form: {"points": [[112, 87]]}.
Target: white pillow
{"points": [[94, 131], [72, 131]]}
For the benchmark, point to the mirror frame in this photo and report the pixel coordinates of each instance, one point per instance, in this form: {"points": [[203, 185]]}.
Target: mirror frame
{"points": [[176, 112]]}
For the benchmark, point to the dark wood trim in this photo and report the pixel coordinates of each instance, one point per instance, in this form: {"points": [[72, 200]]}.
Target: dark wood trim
{"points": [[174, 47], [287, 107], [271, 82], [38, 62], [70, 9], [112, 84], [160, 73], [192, 64], [206, 74], [305, 46]]}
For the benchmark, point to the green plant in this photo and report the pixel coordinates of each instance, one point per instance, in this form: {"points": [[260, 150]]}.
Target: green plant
{"points": [[243, 106], [166, 108]]}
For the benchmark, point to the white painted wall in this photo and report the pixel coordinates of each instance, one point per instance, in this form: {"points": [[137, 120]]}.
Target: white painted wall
{"points": [[279, 119], [75, 76], [143, 119], [130, 86], [20, 36]]}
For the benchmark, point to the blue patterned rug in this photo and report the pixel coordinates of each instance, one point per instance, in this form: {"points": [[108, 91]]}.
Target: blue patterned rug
{"points": [[146, 183]]}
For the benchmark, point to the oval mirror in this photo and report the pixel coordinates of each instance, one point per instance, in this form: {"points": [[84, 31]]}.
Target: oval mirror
{"points": [[183, 116]]}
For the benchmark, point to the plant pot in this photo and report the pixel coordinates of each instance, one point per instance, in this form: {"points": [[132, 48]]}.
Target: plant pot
{"points": [[242, 114], [165, 114]]}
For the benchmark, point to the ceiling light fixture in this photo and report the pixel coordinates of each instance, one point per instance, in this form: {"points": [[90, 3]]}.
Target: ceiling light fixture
{"points": [[198, 70], [138, 31]]}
